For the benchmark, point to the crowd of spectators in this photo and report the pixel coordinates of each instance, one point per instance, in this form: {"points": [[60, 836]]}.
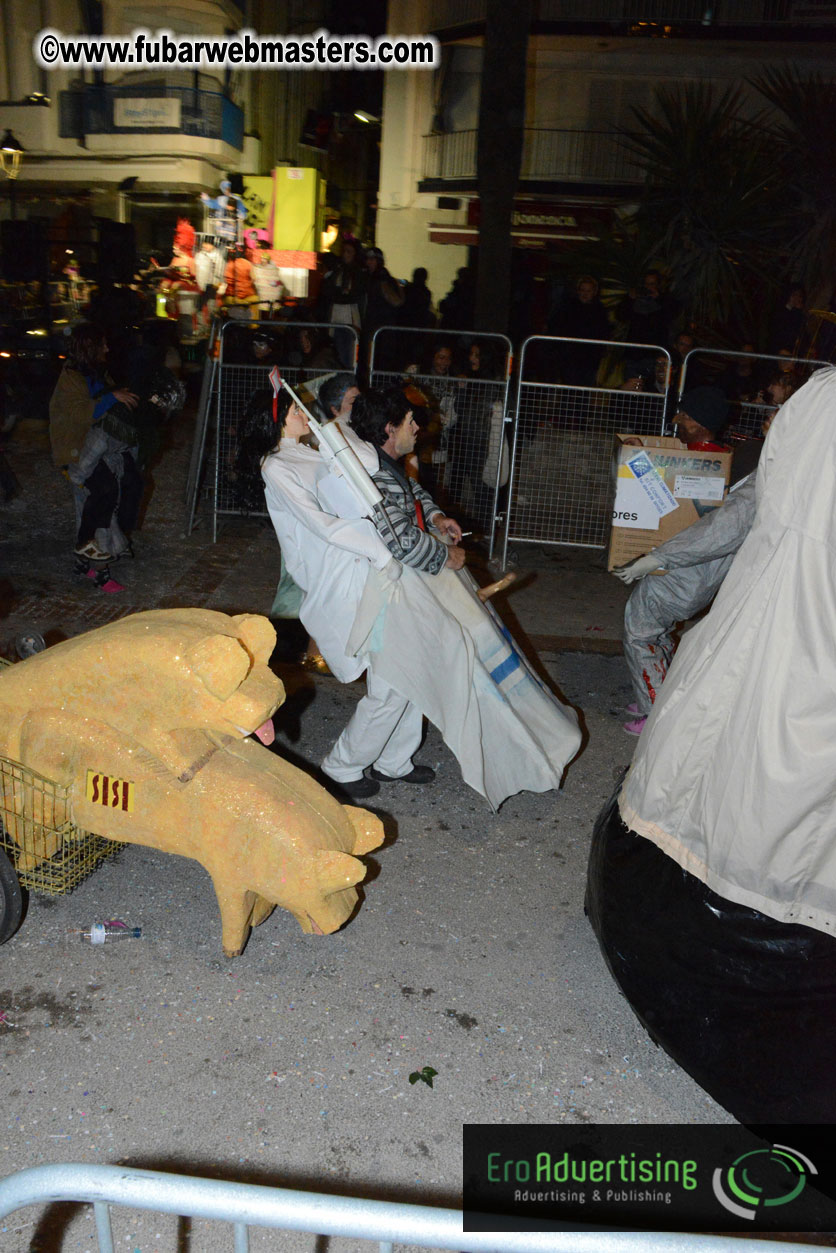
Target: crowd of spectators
{"points": [[642, 343], [457, 378]]}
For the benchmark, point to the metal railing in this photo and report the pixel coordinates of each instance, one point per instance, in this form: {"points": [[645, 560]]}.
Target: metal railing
{"points": [[236, 376], [208, 398], [386, 1222], [571, 155], [90, 110], [561, 483], [464, 451], [748, 403]]}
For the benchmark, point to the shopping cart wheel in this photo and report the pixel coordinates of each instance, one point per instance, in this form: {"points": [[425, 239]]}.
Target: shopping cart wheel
{"points": [[11, 899]]}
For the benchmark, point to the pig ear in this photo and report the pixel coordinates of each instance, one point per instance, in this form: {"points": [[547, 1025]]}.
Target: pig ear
{"points": [[368, 829], [257, 635], [335, 871], [221, 663]]}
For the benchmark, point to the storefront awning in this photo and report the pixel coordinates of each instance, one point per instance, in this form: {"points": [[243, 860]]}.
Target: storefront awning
{"points": [[534, 223]]}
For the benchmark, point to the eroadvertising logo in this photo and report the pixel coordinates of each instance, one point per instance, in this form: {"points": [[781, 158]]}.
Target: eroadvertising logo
{"points": [[762, 1177], [651, 1178]]}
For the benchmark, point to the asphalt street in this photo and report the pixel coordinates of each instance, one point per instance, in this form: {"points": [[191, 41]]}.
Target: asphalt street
{"points": [[290, 1065]]}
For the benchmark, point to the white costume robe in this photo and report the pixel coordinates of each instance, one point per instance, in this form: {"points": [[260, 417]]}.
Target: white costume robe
{"points": [[431, 640], [328, 557], [735, 773], [425, 638]]}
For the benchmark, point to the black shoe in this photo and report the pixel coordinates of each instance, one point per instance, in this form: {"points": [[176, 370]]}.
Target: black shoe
{"points": [[418, 774], [357, 789]]}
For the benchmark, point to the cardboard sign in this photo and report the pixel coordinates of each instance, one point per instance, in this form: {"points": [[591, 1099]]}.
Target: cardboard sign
{"points": [[658, 499]]}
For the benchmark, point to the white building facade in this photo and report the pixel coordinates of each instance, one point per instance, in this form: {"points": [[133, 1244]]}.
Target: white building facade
{"points": [[589, 62]]}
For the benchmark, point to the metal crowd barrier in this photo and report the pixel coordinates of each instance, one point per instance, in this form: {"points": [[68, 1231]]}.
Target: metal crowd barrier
{"points": [[561, 486], [464, 452], [719, 367], [229, 386], [386, 1222]]}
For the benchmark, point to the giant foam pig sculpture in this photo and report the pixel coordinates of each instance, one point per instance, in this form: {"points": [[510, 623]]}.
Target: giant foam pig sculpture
{"points": [[148, 722]]}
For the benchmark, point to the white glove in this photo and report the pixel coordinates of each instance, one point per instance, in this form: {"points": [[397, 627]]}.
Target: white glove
{"points": [[636, 569], [393, 570]]}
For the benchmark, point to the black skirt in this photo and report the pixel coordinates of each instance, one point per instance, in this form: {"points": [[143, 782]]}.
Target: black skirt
{"points": [[746, 1005]]}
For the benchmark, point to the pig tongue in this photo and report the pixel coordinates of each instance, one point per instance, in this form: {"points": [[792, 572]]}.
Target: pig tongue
{"points": [[265, 732]]}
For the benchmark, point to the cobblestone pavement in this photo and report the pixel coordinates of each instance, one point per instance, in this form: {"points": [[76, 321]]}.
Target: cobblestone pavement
{"points": [[564, 599], [38, 589]]}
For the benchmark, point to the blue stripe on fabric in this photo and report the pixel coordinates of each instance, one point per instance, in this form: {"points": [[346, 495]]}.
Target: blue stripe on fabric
{"points": [[507, 667]]}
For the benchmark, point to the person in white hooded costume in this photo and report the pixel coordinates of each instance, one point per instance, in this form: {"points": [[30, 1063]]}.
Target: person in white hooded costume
{"points": [[742, 733], [725, 943]]}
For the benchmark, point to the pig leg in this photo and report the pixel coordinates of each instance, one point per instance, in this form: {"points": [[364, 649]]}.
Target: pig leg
{"points": [[240, 911], [236, 908], [262, 909]]}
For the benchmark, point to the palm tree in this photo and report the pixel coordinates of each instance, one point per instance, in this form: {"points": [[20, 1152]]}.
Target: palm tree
{"points": [[713, 199], [803, 141]]}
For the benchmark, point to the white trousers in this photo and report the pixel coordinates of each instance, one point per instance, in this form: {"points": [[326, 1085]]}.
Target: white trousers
{"points": [[384, 731]]}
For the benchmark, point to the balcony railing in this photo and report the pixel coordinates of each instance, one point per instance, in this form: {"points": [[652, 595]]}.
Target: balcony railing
{"points": [[109, 110], [581, 156], [447, 14]]}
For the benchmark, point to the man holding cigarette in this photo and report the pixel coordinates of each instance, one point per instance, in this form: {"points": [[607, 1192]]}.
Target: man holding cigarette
{"points": [[386, 420], [385, 727]]}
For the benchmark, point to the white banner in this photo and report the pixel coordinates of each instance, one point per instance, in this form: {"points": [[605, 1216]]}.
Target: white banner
{"points": [[147, 113]]}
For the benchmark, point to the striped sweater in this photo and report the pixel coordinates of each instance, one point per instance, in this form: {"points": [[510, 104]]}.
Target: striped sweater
{"points": [[416, 548]]}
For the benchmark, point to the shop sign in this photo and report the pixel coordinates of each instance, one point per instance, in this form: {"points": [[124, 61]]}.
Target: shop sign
{"points": [[147, 113]]}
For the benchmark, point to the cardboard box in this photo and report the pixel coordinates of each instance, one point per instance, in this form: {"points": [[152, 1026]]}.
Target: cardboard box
{"points": [[661, 488]]}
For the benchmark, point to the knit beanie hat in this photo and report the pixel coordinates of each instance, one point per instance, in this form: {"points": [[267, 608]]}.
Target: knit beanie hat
{"points": [[706, 405]]}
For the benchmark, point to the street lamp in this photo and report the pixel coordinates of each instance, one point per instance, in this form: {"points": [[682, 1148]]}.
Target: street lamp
{"points": [[11, 155]]}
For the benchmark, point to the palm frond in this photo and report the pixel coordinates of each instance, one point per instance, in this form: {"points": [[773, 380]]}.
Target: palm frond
{"points": [[712, 196], [804, 136]]}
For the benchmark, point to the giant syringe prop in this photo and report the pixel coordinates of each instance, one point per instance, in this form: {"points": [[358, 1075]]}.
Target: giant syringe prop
{"points": [[343, 459]]}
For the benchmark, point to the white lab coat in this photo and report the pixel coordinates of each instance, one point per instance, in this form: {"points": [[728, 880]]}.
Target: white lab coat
{"points": [[735, 773]]}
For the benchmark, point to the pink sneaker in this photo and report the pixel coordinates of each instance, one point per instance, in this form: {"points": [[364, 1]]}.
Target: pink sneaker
{"points": [[112, 586], [632, 708], [636, 726]]}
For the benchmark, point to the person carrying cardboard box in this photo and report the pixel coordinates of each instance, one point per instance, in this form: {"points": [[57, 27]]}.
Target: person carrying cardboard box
{"points": [[689, 567]]}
